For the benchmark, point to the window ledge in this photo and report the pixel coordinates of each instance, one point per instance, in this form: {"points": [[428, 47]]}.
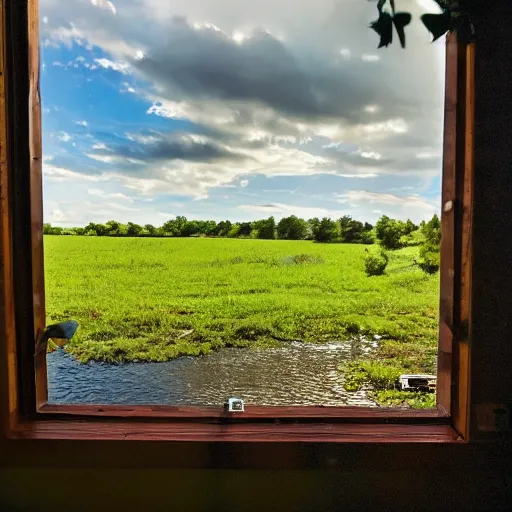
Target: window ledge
{"points": [[207, 432]]}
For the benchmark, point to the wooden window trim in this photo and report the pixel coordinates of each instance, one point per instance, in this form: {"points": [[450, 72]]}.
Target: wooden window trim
{"points": [[22, 320]]}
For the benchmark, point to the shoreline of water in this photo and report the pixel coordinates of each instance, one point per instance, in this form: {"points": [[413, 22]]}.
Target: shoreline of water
{"points": [[301, 374]]}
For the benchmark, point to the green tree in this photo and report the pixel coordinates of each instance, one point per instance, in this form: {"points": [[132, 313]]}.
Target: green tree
{"points": [[175, 227], [223, 228], [234, 232], [326, 231], [48, 229], [134, 229], [99, 229], [113, 228], [266, 228], [292, 228], [430, 249], [245, 229], [389, 232], [207, 227], [313, 225], [355, 232], [409, 227], [151, 230]]}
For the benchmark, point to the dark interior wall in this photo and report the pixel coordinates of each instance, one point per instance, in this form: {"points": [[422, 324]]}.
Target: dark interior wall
{"points": [[492, 240], [168, 476]]}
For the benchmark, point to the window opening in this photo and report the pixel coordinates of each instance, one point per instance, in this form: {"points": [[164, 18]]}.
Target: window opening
{"points": [[199, 174]]}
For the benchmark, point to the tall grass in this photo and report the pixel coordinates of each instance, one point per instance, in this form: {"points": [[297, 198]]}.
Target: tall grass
{"points": [[155, 299]]}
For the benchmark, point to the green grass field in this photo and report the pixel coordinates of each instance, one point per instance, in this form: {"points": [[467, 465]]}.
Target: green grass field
{"points": [[142, 299]]}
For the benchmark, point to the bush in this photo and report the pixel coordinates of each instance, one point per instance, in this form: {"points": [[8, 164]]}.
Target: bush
{"points": [[389, 232], [429, 252], [375, 263], [429, 261]]}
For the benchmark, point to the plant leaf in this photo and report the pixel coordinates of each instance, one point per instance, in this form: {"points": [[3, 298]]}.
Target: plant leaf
{"points": [[401, 20], [437, 24], [384, 27]]}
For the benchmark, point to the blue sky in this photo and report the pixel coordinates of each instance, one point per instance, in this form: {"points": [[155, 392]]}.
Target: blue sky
{"points": [[236, 109]]}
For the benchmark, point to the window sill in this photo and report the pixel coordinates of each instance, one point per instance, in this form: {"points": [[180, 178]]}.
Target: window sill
{"points": [[422, 430]]}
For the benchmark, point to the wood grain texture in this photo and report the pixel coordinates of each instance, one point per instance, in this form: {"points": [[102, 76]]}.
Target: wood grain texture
{"points": [[36, 197], [165, 431], [448, 228], [19, 171], [260, 414], [462, 413], [8, 368]]}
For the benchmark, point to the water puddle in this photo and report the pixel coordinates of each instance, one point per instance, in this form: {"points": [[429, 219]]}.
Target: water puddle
{"points": [[291, 374]]}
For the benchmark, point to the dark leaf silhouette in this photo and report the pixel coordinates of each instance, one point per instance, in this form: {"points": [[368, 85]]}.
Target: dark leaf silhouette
{"points": [[437, 24], [384, 27], [401, 20]]}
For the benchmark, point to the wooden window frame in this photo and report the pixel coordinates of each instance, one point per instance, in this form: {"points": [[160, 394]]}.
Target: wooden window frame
{"points": [[22, 317]]}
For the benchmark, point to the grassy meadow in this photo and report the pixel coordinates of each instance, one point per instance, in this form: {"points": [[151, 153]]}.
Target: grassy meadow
{"points": [[154, 299]]}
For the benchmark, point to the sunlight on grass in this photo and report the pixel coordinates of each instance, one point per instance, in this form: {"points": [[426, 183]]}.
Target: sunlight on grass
{"points": [[157, 299]]}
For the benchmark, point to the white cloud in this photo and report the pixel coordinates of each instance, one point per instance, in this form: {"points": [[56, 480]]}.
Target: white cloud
{"points": [[120, 67], [239, 37], [345, 53], [109, 195], [172, 110], [56, 173], [327, 53], [371, 109], [64, 137], [126, 87], [371, 155], [369, 57], [428, 155], [113, 159], [66, 36], [280, 210], [81, 123], [383, 198], [244, 183], [57, 216], [382, 129], [104, 4], [100, 146]]}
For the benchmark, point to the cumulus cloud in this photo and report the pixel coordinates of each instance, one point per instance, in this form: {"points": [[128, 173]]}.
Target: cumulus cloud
{"points": [[121, 67], [416, 207], [279, 210], [98, 192], [263, 90], [104, 4], [64, 136]]}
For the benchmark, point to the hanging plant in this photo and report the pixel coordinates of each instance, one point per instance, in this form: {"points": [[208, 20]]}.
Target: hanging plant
{"points": [[456, 16]]}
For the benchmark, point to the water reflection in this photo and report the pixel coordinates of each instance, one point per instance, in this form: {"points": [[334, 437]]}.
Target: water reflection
{"points": [[292, 374]]}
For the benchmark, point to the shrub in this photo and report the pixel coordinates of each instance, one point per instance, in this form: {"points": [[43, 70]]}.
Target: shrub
{"points": [[429, 261], [429, 252], [389, 232], [375, 263]]}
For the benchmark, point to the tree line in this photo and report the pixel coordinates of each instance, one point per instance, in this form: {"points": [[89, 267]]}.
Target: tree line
{"points": [[391, 233]]}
